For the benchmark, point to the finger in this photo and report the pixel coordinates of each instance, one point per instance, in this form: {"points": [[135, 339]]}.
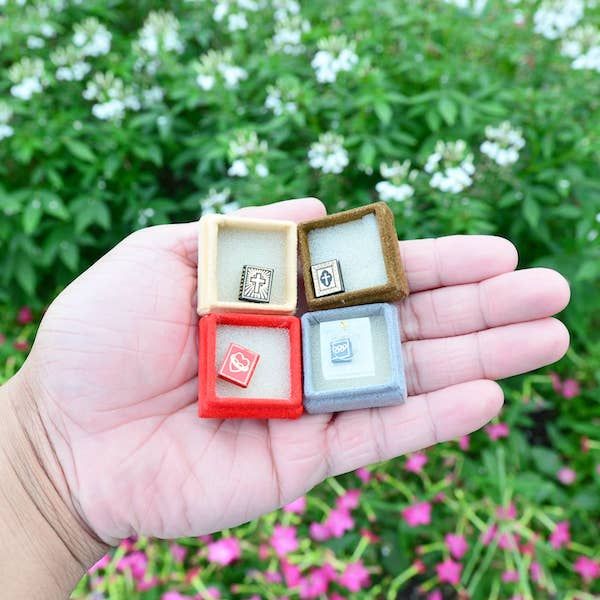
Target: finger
{"points": [[491, 354], [183, 237], [513, 297], [358, 438], [456, 259]]}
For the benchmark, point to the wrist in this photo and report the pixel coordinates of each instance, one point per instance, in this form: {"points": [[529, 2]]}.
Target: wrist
{"points": [[45, 546]]}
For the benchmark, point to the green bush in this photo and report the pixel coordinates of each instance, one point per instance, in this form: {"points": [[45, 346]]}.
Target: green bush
{"points": [[466, 116]]}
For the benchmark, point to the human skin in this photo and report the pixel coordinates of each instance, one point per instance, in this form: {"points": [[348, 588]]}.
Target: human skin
{"points": [[99, 434]]}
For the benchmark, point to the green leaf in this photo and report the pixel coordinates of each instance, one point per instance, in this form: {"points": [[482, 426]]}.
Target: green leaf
{"points": [[384, 112], [79, 150], [32, 215], [547, 461], [531, 211], [25, 274], [448, 110], [69, 254]]}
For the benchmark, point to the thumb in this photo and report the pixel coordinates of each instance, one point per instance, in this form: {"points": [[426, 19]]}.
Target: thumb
{"points": [[298, 210]]}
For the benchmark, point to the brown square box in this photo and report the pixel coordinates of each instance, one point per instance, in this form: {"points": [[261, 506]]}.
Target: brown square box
{"points": [[396, 286]]}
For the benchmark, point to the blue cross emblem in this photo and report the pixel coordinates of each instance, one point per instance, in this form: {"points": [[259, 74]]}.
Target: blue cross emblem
{"points": [[326, 278]]}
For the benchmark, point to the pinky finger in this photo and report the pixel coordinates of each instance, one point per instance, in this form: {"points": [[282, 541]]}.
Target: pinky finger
{"points": [[362, 437]]}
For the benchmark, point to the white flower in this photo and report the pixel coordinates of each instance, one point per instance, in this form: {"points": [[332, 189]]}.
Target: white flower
{"points": [[34, 42], [92, 38], [451, 167], [6, 114], [288, 34], [112, 97], [28, 77], [281, 100], [145, 215], [554, 17], [237, 22], [283, 9], [238, 168], [503, 143], [247, 153], [219, 65], [335, 55], [47, 30], [217, 201], [582, 44], [232, 75], [396, 186], [160, 33], [261, 170], [476, 6], [328, 154], [153, 95], [70, 64]]}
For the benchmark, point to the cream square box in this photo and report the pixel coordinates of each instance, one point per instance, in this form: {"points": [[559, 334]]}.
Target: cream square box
{"points": [[247, 265]]}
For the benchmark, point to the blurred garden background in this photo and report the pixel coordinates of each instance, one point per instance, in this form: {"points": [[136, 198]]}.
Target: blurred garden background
{"points": [[466, 116]]}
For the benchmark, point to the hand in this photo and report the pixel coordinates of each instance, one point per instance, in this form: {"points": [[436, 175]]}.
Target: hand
{"points": [[113, 376]]}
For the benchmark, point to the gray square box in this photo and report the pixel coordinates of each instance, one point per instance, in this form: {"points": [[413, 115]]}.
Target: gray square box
{"points": [[372, 372]]}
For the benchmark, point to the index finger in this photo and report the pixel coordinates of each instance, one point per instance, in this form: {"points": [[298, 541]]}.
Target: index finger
{"points": [[456, 259]]}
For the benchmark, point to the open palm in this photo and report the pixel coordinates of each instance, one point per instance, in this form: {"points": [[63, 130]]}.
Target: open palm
{"points": [[114, 374]]}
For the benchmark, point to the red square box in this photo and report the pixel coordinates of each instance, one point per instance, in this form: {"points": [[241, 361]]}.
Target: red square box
{"points": [[218, 398]]}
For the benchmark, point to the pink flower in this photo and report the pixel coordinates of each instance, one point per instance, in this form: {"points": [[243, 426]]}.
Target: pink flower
{"points": [[213, 592], [298, 506], [363, 475], [489, 535], [319, 532], [177, 552], [144, 584], [284, 540], [136, 562], [291, 574], [24, 315], [510, 576], [173, 596], [272, 577], [464, 442], [507, 541], [507, 513], [449, 571], [587, 568], [435, 595], [415, 462], [566, 476], [355, 577], [316, 584], [349, 500], [101, 564], [21, 345], [224, 551], [457, 545], [496, 431], [570, 388], [417, 514], [560, 535], [338, 522], [264, 551], [556, 382], [536, 571]]}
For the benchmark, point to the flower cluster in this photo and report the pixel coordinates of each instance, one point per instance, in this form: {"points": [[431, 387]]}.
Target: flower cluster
{"points": [[218, 202], [91, 38], [158, 36], [554, 17], [582, 44], [28, 77], [111, 96], [6, 114], [475, 6], [218, 66], [503, 143], [336, 54], [70, 64], [247, 154], [234, 11], [328, 154], [289, 30], [451, 167], [396, 185], [282, 98]]}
